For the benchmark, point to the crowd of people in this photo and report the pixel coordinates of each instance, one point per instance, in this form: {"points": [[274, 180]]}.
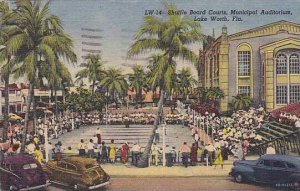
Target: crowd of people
{"points": [[232, 135], [141, 118]]}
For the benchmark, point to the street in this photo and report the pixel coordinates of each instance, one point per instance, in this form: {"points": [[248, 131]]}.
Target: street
{"points": [[176, 184]]}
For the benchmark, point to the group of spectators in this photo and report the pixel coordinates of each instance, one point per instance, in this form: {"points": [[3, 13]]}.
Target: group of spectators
{"points": [[232, 135], [289, 119], [141, 118]]}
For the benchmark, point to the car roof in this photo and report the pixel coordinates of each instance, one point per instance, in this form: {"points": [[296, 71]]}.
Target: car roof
{"points": [[286, 158], [19, 159], [79, 161]]}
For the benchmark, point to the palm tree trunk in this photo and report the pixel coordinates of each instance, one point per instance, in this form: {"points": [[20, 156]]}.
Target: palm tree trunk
{"points": [[34, 112], [6, 109], [143, 162], [93, 87], [28, 105], [52, 90], [55, 96]]}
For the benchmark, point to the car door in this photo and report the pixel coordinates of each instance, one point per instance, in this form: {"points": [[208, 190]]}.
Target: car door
{"points": [[263, 171], [3, 175], [73, 176], [60, 172], [280, 172]]}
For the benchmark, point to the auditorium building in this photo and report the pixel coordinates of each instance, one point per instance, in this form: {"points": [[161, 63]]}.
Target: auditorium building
{"points": [[262, 62]]}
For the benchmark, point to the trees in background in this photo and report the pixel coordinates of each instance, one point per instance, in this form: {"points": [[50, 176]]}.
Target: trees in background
{"points": [[169, 36]]}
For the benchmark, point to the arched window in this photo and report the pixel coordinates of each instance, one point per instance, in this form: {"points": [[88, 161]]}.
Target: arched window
{"points": [[281, 66], [294, 64], [244, 60]]}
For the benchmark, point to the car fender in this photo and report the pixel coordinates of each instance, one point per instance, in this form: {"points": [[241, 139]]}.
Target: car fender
{"points": [[246, 171]]}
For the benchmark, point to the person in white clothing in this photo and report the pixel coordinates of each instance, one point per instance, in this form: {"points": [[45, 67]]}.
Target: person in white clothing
{"points": [[270, 150]]}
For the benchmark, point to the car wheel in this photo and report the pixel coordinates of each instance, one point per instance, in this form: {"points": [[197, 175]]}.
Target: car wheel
{"points": [[296, 185], [13, 188], [238, 178]]}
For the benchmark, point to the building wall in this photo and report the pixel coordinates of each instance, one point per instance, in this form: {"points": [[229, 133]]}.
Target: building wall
{"points": [[255, 44]]}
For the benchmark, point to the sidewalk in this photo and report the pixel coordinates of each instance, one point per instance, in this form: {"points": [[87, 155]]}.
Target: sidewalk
{"points": [[128, 170], [121, 170]]}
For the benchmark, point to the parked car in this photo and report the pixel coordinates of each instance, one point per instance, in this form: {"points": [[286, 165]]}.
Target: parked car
{"points": [[77, 172], [14, 117], [22, 172], [278, 170]]}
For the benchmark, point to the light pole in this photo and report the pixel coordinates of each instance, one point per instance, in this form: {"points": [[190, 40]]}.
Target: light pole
{"points": [[164, 143], [72, 121], [45, 128]]}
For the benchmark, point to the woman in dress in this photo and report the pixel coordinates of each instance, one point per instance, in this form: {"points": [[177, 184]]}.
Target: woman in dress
{"points": [[194, 153], [112, 151], [38, 155], [124, 152], [219, 158]]}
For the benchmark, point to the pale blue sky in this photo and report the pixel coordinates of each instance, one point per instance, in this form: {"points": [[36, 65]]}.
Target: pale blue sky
{"points": [[120, 19]]}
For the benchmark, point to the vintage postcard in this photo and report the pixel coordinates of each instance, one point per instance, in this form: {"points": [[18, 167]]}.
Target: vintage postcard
{"points": [[152, 95]]}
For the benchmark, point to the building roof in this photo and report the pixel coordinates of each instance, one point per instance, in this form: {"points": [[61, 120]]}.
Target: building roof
{"points": [[261, 30], [282, 26], [13, 86]]}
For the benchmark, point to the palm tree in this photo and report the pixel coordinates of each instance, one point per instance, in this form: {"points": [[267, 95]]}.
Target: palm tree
{"points": [[186, 81], [115, 83], [6, 59], [215, 94], [137, 81], [92, 69], [59, 79], [169, 36], [242, 101], [39, 40]]}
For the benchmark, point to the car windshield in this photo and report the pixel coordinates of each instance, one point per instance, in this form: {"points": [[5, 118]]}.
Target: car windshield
{"points": [[30, 166], [90, 166]]}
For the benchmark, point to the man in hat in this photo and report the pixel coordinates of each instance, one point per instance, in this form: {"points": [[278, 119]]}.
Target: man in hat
{"points": [[154, 154], [210, 151], [136, 150], [185, 151]]}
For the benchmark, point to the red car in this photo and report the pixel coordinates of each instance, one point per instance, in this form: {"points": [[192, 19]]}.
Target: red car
{"points": [[22, 172]]}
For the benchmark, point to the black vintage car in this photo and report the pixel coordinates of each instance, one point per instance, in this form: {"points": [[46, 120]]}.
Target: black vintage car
{"points": [[277, 170]]}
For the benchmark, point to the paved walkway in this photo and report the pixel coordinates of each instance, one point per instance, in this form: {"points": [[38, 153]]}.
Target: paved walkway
{"points": [[122, 170], [127, 170]]}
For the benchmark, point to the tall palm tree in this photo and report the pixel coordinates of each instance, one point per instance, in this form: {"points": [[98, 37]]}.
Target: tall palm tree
{"points": [[242, 101], [186, 81], [169, 36], [115, 83], [137, 81], [59, 79], [6, 59], [39, 39], [92, 69]]}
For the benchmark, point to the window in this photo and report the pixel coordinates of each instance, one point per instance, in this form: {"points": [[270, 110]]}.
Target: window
{"points": [[71, 167], [267, 163], [289, 165], [281, 67], [61, 165], [278, 164], [30, 166], [294, 64], [294, 93], [244, 90], [281, 94], [244, 59]]}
